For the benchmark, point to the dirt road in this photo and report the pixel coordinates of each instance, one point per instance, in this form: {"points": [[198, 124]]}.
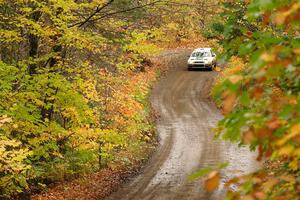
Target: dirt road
{"points": [[186, 143]]}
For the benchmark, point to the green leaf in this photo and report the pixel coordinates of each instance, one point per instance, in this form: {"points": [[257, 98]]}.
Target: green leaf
{"points": [[205, 171], [200, 173]]}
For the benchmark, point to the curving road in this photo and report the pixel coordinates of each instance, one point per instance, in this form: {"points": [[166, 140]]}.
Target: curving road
{"points": [[186, 143]]}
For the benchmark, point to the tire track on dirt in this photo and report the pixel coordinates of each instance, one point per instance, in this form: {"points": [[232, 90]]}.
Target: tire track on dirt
{"points": [[186, 142]]}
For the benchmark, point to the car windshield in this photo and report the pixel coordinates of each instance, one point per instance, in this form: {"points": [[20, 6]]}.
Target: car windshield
{"points": [[201, 54]]}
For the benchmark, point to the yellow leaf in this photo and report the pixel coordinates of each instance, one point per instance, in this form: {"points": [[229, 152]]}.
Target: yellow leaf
{"points": [[294, 165], [286, 150], [268, 57], [294, 131], [297, 152]]}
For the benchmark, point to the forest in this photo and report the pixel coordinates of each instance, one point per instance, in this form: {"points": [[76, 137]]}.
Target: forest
{"points": [[74, 83], [75, 79]]}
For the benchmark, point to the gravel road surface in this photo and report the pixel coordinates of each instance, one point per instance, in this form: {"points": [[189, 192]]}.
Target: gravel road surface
{"points": [[187, 116]]}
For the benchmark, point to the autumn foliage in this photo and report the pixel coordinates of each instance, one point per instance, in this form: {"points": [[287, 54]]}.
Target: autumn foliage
{"points": [[261, 98], [74, 84]]}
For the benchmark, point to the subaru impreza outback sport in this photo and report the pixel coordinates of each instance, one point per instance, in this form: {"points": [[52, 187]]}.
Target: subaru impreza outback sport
{"points": [[202, 58]]}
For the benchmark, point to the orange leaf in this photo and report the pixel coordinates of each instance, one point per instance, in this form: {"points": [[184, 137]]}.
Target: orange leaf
{"points": [[248, 198], [257, 180], [258, 92], [260, 153], [269, 153], [263, 132], [249, 33], [232, 181], [296, 51], [270, 184], [212, 181], [266, 18], [274, 124], [235, 78], [229, 102], [287, 178], [247, 1], [282, 16], [259, 195], [248, 137], [268, 57]]}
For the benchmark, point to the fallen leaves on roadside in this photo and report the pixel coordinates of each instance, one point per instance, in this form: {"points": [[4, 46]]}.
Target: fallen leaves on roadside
{"points": [[217, 69], [94, 186]]}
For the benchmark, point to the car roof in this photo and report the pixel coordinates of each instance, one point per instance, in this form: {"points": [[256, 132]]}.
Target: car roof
{"points": [[202, 49]]}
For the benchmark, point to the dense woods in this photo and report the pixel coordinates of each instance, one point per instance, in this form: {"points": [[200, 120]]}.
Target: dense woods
{"points": [[74, 83], [259, 93]]}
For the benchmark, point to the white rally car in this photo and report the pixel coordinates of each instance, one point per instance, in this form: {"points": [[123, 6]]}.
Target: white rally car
{"points": [[202, 58]]}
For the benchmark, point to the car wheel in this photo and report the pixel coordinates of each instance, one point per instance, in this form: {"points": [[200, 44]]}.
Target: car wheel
{"points": [[210, 68]]}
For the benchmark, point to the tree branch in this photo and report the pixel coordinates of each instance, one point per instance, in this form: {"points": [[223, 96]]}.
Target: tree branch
{"points": [[98, 9], [126, 10]]}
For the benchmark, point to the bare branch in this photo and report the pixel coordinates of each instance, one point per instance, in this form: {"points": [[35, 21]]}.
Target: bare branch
{"points": [[127, 10], [98, 9]]}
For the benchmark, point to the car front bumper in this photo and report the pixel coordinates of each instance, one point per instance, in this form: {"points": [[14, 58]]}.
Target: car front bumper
{"points": [[198, 65]]}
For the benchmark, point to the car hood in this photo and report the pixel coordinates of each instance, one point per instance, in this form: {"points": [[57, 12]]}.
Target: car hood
{"points": [[200, 59]]}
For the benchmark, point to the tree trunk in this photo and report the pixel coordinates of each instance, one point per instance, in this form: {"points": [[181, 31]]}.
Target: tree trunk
{"points": [[47, 113], [33, 44]]}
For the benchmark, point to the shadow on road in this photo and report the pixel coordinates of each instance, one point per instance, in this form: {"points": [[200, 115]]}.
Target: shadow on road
{"points": [[203, 70]]}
